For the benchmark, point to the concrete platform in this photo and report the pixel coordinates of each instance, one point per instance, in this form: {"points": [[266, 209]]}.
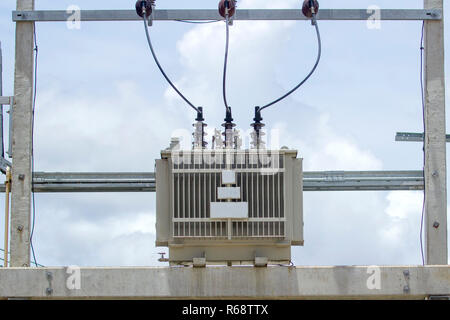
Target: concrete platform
{"points": [[346, 282]]}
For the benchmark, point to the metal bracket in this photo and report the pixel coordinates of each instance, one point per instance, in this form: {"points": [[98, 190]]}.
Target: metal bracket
{"points": [[10, 112], [231, 19], [4, 164], [261, 262], [150, 18], [439, 298], [199, 262], [6, 100], [413, 137], [162, 259], [49, 290], [407, 287]]}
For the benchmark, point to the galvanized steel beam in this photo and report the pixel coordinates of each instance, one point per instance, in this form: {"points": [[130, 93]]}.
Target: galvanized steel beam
{"points": [[363, 180], [413, 137], [48, 182], [241, 14], [6, 100]]}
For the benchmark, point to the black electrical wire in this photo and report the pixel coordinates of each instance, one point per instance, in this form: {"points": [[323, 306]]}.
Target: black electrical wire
{"points": [[198, 22], [319, 54], [36, 264], [424, 128], [32, 142], [160, 67], [225, 64]]}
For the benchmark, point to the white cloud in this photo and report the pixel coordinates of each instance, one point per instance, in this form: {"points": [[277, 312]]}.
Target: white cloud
{"points": [[402, 227], [254, 54], [99, 230], [403, 205], [328, 149], [111, 228], [92, 133]]}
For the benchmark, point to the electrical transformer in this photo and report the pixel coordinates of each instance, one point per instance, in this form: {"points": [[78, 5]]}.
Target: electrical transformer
{"points": [[228, 205]]}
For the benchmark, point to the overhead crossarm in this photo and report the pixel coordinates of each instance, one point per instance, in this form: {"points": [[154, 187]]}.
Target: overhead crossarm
{"points": [[241, 14]]}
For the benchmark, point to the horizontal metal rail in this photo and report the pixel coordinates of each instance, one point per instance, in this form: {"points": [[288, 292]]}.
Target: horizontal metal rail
{"points": [[94, 182], [241, 14], [6, 100], [412, 137], [51, 182], [363, 180]]}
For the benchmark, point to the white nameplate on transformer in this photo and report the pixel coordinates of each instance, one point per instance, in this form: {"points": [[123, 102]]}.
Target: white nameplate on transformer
{"points": [[224, 193], [228, 177], [229, 210]]}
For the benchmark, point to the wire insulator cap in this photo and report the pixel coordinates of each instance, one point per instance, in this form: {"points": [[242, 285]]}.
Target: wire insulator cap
{"points": [[228, 120], [307, 7], [231, 7], [200, 114], [258, 118], [140, 4]]}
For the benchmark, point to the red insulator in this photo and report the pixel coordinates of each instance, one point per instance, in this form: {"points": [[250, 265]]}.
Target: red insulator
{"points": [[148, 7], [307, 9], [231, 8]]}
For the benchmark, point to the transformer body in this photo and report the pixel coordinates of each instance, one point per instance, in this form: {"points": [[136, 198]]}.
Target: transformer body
{"points": [[229, 206]]}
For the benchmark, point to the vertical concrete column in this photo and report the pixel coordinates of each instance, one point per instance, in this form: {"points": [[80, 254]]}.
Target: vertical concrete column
{"points": [[22, 141], [435, 141]]}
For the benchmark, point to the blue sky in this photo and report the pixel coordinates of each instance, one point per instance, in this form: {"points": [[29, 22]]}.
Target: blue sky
{"points": [[103, 106]]}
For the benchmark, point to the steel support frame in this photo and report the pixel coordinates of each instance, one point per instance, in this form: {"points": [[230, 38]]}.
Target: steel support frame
{"points": [[413, 137], [241, 14], [429, 280], [66, 182], [6, 100]]}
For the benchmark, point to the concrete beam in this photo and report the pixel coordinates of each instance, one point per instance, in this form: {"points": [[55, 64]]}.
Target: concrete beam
{"points": [[21, 141], [435, 141], [347, 282]]}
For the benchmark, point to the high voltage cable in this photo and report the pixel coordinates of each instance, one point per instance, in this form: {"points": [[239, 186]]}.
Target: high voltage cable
{"points": [[161, 68], [319, 53]]}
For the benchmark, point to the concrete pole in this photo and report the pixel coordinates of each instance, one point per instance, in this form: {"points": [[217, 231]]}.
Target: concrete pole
{"points": [[435, 141], [2, 151], [21, 143]]}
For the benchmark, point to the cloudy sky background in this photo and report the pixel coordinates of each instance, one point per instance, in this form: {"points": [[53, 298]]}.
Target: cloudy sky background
{"points": [[102, 105]]}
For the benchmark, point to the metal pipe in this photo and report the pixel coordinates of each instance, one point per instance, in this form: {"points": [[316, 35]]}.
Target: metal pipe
{"points": [[8, 188]]}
